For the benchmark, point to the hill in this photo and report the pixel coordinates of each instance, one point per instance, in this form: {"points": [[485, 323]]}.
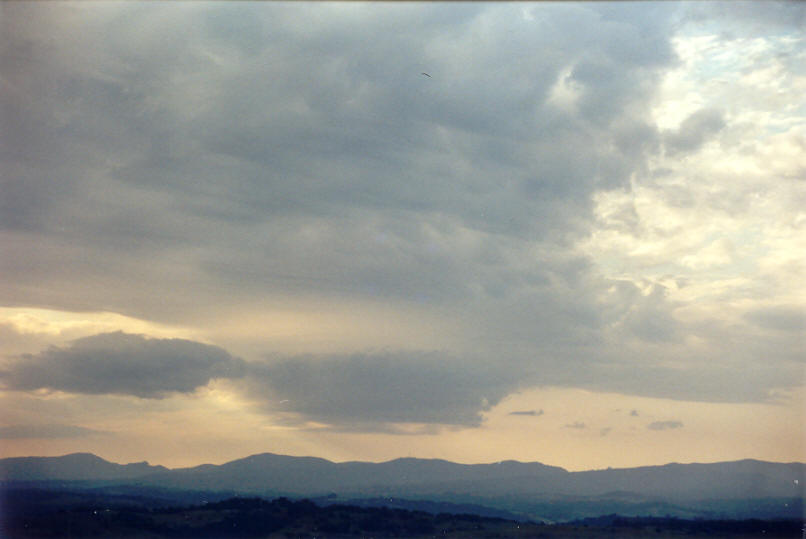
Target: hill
{"points": [[75, 466], [740, 489]]}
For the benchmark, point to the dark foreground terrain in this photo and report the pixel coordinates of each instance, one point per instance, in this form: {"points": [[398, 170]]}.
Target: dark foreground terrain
{"points": [[42, 513]]}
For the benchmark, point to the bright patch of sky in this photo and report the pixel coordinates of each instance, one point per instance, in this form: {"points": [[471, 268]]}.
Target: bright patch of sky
{"points": [[720, 224]]}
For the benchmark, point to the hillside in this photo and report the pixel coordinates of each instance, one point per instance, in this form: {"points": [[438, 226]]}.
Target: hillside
{"points": [[741, 489]]}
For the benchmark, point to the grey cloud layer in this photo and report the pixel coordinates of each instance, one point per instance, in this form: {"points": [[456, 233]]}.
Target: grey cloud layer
{"points": [[369, 391], [47, 431], [255, 146], [179, 161], [782, 318], [120, 363], [360, 392], [365, 391], [694, 131]]}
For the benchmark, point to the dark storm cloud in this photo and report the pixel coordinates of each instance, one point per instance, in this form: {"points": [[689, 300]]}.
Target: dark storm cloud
{"points": [[238, 142], [664, 425], [694, 131], [120, 363], [47, 431], [374, 390]]}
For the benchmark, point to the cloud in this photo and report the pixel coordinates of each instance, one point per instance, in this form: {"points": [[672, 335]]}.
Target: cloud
{"points": [[372, 391], [532, 413], [605, 431], [121, 363], [694, 131], [780, 318], [752, 19], [260, 161], [47, 431], [576, 425], [664, 425], [650, 318], [394, 185], [634, 413]]}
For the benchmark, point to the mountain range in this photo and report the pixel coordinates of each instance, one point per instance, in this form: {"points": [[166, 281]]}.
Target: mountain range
{"points": [[739, 489]]}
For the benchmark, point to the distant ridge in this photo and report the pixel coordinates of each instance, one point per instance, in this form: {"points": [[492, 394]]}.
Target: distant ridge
{"points": [[745, 487], [75, 466], [315, 476]]}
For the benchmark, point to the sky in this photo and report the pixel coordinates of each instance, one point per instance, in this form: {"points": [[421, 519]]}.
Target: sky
{"points": [[571, 233]]}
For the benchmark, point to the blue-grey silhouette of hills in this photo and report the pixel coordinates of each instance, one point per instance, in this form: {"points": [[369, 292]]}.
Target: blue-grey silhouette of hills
{"points": [[75, 466], [743, 489]]}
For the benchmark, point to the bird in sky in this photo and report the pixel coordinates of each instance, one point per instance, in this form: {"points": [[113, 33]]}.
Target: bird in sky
{"points": [[426, 74]]}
